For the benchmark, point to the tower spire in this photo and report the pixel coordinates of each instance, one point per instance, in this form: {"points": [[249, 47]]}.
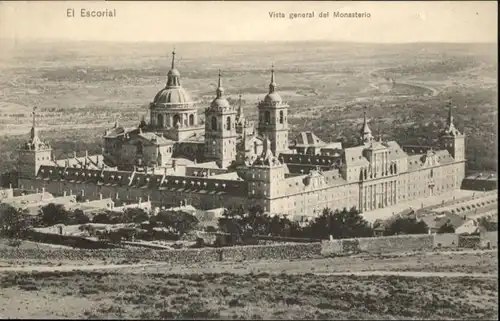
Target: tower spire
{"points": [[220, 90], [173, 58], [173, 78], [272, 85], [33, 126], [450, 114], [366, 133], [239, 115]]}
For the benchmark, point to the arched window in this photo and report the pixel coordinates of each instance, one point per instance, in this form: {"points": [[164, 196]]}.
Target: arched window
{"points": [[159, 120], [395, 169], [432, 173], [267, 117], [255, 147], [214, 123], [191, 120], [281, 117], [228, 123], [176, 119]]}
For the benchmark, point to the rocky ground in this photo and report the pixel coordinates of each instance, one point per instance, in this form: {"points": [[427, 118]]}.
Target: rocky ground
{"points": [[440, 285]]}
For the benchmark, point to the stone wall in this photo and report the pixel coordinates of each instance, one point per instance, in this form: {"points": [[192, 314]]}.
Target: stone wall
{"points": [[470, 242], [491, 238], [396, 243], [446, 240], [378, 244], [183, 256]]}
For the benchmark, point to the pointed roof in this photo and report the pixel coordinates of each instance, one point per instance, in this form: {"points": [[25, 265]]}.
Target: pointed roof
{"points": [[240, 118], [173, 75], [450, 129], [35, 143], [272, 97], [366, 133], [220, 101]]}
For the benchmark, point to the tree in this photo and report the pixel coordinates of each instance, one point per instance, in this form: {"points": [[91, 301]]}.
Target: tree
{"points": [[52, 214], [13, 223], [243, 225], [406, 226], [78, 217], [339, 224], [108, 217], [135, 215], [180, 222], [446, 228], [488, 224]]}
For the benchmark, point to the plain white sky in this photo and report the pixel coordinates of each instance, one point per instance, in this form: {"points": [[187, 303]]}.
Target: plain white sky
{"points": [[390, 22]]}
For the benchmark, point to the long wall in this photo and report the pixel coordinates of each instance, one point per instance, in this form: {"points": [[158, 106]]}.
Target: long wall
{"points": [[158, 197], [259, 252]]}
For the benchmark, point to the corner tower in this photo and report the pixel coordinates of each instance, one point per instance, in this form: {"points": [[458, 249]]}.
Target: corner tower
{"points": [[220, 129], [452, 139], [273, 119], [366, 133], [33, 153]]}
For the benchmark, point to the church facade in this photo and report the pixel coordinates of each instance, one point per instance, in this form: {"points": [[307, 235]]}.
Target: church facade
{"points": [[226, 160]]}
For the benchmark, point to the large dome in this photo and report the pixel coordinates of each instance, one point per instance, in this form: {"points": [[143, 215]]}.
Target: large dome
{"points": [[273, 97], [172, 96], [219, 103]]}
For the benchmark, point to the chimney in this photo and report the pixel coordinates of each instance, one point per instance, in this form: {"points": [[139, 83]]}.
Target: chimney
{"points": [[83, 193], [100, 196], [70, 192], [140, 200], [74, 154], [149, 199], [10, 186], [43, 189], [64, 193], [86, 154]]}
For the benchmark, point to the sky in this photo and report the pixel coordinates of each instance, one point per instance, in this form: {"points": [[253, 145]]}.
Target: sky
{"points": [[179, 21]]}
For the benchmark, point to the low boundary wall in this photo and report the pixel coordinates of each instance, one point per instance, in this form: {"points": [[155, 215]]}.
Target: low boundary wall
{"points": [[378, 244], [182, 256]]}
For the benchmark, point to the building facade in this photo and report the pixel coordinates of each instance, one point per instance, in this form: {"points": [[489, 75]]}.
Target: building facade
{"points": [[225, 161]]}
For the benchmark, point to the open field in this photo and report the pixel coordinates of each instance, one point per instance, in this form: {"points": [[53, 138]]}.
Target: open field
{"points": [[264, 290], [82, 88]]}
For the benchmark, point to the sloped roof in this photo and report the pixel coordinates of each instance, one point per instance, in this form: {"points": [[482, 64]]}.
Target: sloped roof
{"points": [[308, 138], [155, 139], [353, 156]]}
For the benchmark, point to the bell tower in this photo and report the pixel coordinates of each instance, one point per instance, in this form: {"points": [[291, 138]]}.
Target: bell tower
{"points": [[273, 119], [452, 139], [33, 153], [220, 129]]}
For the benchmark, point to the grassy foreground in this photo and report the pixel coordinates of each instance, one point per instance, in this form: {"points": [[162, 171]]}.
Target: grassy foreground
{"points": [[249, 296]]}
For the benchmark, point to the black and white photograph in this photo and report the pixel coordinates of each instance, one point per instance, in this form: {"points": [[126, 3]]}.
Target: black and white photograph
{"points": [[248, 160]]}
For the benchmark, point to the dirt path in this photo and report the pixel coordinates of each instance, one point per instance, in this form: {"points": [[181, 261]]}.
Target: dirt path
{"points": [[412, 274], [66, 268]]}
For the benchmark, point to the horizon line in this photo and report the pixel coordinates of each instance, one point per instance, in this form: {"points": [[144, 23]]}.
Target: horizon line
{"points": [[240, 41]]}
